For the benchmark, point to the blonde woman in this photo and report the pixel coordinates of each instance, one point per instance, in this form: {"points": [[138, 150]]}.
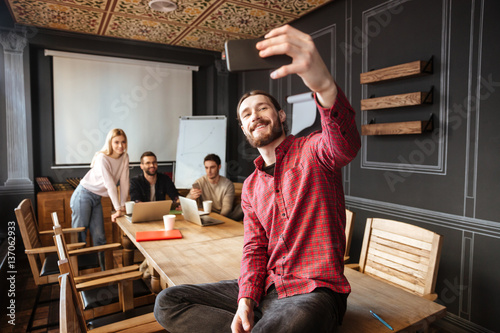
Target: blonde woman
{"points": [[109, 166]]}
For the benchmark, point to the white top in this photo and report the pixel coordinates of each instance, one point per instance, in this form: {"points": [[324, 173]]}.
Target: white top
{"points": [[103, 177]]}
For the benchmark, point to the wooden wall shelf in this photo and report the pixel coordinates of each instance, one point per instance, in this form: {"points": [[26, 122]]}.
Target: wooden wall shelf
{"points": [[411, 69], [407, 127], [395, 101]]}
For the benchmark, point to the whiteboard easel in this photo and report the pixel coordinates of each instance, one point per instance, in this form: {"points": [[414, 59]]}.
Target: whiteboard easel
{"points": [[198, 137]]}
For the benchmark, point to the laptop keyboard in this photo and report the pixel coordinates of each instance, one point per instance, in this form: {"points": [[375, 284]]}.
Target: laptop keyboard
{"points": [[208, 220]]}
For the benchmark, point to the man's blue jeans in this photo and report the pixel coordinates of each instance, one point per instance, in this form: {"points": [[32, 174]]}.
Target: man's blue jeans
{"points": [[211, 308], [87, 212]]}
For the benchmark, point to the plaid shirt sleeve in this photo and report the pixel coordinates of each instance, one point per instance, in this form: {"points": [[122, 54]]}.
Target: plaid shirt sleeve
{"points": [[340, 138]]}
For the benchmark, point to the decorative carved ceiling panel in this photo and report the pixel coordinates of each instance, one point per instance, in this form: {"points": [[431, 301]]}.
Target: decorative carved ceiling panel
{"points": [[202, 24]]}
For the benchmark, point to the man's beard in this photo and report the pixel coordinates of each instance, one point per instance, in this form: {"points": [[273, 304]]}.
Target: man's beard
{"points": [[151, 173], [276, 132]]}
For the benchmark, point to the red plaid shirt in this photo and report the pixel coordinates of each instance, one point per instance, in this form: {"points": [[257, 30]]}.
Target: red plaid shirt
{"points": [[294, 222]]}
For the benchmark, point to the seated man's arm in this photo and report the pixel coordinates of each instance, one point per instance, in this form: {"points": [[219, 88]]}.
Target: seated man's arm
{"points": [[170, 188], [135, 190], [227, 200], [195, 192]]}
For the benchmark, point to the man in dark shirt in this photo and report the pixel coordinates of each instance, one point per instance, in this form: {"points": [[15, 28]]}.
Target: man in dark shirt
{"points": [[151, 185]]}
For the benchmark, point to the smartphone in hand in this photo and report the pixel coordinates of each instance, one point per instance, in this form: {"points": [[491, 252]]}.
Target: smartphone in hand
{"points": [[242, 55]]}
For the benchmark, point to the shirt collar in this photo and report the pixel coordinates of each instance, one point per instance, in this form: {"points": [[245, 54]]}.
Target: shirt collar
{"points": [[280, 151]]}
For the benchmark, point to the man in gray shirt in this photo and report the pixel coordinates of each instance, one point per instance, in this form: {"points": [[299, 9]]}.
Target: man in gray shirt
{"points": [[216, 188]]}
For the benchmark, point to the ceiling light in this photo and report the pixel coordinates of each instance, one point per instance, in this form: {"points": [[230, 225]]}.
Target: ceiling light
{"points": [[163, 5]]}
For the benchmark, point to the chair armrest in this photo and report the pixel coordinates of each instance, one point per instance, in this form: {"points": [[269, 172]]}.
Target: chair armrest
{"points": [[74, 246], [40, 250], [356, 267], [102, 274], [73, 230], [106, 281], [46, 232], [65, 231], [144, 323], [93, 249], [51, 249], [430, 297]]}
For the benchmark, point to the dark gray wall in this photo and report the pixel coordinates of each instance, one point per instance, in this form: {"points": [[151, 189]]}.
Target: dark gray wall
{"points": [[445, 180]]}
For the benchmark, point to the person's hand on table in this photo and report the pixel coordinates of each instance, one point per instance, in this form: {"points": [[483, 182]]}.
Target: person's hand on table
{"points": [[116, 215], [243, 319]]}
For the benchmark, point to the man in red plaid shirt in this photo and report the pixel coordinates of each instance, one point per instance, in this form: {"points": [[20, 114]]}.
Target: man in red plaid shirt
{"points": [[292, 271]]}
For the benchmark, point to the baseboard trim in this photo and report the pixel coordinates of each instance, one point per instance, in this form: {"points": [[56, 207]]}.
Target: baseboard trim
{"points": [[454, 324]]}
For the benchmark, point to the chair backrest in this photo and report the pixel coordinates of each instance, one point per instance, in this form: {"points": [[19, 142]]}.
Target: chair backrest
{"points": [[349, 220], [71, 315], [31, 238], [69, 319], [28, 225], [401, 254], [62, 248], [55, 219]]}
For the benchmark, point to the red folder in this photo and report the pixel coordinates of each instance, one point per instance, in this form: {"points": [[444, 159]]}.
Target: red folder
{"points": [[141, 236]]}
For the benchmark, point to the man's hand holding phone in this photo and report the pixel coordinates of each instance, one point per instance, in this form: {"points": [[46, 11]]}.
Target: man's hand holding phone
{"points": [[195, 191], [303, 60]]}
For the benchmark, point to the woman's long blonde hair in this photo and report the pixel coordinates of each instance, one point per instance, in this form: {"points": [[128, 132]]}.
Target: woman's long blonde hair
{"points": [[107, 149]]}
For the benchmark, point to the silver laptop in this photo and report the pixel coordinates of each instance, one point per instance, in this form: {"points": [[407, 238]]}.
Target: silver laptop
{"points": [[193, 215], [149, 211]]}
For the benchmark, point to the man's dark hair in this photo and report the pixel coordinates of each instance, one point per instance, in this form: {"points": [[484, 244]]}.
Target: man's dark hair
{"points": [[273, 100], [212, 157], [148, 153]]}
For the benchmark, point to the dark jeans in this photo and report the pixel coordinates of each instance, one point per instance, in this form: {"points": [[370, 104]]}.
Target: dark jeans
{"points": [[211, 307]]}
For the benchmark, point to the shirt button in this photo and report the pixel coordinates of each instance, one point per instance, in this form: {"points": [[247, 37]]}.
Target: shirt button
{"points": [[278, 191], [283, 258], [283, 214]]}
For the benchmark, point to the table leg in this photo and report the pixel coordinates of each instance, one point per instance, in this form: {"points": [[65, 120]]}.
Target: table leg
{"points": [[128, 250], [155, 280]]}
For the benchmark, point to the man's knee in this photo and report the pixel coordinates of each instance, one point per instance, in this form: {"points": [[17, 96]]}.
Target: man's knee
{"points": [[167, 298], [164, 303]]}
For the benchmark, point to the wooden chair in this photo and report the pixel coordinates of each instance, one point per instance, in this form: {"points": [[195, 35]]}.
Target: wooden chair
{"points": [[42, 259], [349, 221], [401, 254], [71, 312], [104, 292]]}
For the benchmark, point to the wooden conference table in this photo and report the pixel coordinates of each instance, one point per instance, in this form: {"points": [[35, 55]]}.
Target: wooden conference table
{"points": [[210, 254]]}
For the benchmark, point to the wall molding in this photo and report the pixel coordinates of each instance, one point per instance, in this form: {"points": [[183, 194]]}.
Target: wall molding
{"points": [[441, 141], [453, 323], [15, 108], [17, 190], [451, 221]]}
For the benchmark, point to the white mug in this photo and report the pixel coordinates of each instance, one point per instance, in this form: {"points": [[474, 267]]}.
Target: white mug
{"points": [[169, 221], [129, 207], [207, 206]]}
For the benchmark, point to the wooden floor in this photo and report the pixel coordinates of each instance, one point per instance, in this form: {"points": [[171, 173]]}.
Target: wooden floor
{"points": [[25, 294]]}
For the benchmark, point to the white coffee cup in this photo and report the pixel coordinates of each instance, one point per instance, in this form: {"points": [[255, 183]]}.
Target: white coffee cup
{"points": [[169, 221], [207, 206], [129, 207]]}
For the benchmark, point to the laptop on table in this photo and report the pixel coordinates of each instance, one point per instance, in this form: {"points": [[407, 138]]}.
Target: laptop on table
{"points": [[149, 211], [193, 215]]}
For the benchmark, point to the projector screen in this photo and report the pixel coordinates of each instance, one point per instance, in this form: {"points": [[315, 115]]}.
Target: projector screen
{"points": [[94, 94]]}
